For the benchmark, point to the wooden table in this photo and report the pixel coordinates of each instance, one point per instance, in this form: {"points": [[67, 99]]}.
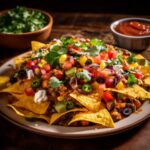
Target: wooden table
{"points": [[89, 25]]}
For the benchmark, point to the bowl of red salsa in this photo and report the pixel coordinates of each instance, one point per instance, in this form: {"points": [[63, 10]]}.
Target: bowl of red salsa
{"points": [[132, 33]]}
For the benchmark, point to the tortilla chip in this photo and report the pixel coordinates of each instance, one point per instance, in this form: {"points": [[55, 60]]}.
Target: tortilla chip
{"points": [[139, 56], [91, 101], [101, 117], [147, 81], [135, 91], [17, 87], [145, 70], [27, 103], [56, 116], [19, 61], [36, 45], [4, 80], [28, 114]]}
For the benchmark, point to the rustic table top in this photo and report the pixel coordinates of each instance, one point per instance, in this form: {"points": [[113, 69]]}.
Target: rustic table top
{"points": [[88, 25]]}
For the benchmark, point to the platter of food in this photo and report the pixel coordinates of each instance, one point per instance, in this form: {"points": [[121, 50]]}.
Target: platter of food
{"points": [[75, 88]]}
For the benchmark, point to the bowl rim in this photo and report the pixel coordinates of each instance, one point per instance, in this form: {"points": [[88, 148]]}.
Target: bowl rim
{"points": [[49, 23], [128, 19]]}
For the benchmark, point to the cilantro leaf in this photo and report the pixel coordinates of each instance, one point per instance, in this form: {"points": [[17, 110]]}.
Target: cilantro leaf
{"points": [[53, 56], [100, 45], [131, 59], [94, 51], [54, 82], [96, 42], [97, 47], [21, 20], [131, 79], [84, 75], [117, 61], [67, 41]]}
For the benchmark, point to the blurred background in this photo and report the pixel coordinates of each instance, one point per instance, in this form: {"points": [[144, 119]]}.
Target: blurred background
{"points": [[135, 7]]}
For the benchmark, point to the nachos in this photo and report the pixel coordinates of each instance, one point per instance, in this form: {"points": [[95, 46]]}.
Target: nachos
{"points": [[78, 82]]}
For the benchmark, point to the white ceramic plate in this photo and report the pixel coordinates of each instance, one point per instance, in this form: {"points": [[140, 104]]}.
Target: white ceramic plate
{"points": [[69, 132]]}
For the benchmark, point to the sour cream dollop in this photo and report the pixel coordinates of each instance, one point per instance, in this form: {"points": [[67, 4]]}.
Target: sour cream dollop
{"points": [[40, 96], [30, 74], [118, 69]]}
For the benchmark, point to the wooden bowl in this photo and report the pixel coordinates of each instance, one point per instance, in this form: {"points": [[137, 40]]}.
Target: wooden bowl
{"points": [[23, 40]]}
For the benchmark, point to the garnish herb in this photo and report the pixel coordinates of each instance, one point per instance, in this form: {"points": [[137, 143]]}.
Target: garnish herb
{"points": [[117, 61], [67, 41], [84, 75], [53, 56], [21, 20], [131, 79], [131, 59], [54, 82]]}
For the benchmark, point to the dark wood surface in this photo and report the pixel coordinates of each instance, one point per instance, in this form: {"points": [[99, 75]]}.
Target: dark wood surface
{"points": [[88, 25]]}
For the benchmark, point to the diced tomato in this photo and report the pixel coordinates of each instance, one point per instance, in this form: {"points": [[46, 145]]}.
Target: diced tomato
{"points": [[43, 71], [30, 64], [45, 84], [100, 89], [45, 76], [71, 60], [67, 65], [112, 54], [73, 47], [47, 67], [35, 61], [138, 75], [102, 86], [97, 72], [137, 103], [97, 59], [107, 96], [109, 82], [58, 73], [104, 56], [29, 91], [126, 68], [70, 46], [84, 123]]}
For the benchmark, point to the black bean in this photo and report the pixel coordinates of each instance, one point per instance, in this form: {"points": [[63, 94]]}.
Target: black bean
{"points": [[88, 62], [69, 51], [100, 79], [22, 73], [13, 79]]}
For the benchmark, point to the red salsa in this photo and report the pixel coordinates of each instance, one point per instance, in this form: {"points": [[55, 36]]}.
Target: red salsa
{"points": [[133, 28]]}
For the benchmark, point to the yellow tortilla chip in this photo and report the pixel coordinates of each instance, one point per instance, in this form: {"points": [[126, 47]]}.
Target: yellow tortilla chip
{"points": [[4, 80], [135, 91], [28, 114], [147, 81], [17, 87], [90, 101], [56, 116], [139, 56], [36, 45], [101, 117], [27, 103], [145, 70], [19, 61]]}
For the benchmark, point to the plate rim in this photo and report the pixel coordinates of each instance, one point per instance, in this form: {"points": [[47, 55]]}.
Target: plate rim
{"points": [[80, 136]]}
